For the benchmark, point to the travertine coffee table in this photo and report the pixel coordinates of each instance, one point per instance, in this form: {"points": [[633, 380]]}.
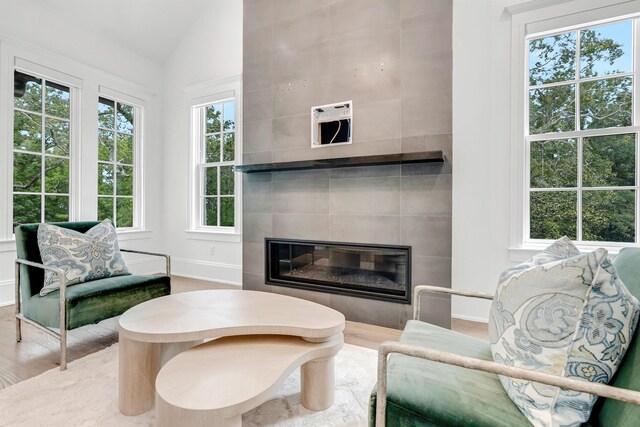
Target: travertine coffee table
{"points": [[154, 331]]}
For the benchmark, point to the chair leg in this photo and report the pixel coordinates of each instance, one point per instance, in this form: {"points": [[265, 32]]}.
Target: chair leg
{"points": [[17, 303], [63, 349]]}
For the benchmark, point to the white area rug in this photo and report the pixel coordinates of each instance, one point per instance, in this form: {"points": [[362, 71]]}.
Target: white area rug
{"points": [[87, 395]]}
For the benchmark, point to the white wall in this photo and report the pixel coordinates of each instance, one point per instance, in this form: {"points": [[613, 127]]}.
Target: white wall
{"points": [[26, 30], [481, 145], [212, 50]]}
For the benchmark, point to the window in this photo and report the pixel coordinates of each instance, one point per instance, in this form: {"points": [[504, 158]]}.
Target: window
{"points": [[116, 162], [41, 150], [581, 135], [216, 123]]}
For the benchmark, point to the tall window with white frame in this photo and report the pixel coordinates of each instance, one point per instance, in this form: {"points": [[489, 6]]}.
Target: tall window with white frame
{"points": [[41, 149], [582, 139], [116, 162], [216, 158]]}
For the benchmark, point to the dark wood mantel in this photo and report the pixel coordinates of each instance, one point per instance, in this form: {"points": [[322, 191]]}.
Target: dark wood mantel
{"points": [[345, 162]]}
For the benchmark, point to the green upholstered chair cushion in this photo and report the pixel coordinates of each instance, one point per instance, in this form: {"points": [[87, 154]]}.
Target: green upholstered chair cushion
{"points": [[97, 300], [32, 278], [425, 393], [609, 412]]}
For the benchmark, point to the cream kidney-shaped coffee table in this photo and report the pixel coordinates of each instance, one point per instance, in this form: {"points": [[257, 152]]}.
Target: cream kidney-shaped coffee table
{"points": [[154, 331]]}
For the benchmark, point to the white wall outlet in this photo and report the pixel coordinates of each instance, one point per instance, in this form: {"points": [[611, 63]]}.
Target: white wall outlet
{"points": [[212, 250]]}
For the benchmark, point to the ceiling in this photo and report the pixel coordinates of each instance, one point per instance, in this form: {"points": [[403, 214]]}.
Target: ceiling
{"points": [[149, 28]]}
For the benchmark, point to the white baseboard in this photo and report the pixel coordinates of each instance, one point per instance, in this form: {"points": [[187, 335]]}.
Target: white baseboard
{"points": [[146, 265], [227, 274], [7, 293], [470, 318]]}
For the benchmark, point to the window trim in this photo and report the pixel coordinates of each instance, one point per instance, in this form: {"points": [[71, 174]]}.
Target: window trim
{"points": [[552, 18], [139, 106], [216, 91]]}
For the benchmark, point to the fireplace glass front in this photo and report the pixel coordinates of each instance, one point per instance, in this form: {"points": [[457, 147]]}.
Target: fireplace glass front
{"points": [[370, 271]]}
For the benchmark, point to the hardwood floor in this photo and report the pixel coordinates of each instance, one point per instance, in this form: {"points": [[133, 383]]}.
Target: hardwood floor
{"points": [[39, 352]]}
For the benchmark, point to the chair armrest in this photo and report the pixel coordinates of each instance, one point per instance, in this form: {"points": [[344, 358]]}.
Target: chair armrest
{"points": [[437, 289], [63, 288], [166, 257], [388, 347]]}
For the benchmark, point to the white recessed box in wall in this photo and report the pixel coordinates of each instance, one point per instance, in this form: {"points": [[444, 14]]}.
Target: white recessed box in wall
{"points": [[331, 124]]}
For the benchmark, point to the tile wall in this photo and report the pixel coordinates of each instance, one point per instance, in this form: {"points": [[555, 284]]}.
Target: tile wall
{"points": [[393, 59]]}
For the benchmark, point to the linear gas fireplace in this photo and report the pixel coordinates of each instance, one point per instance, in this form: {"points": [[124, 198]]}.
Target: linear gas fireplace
{"points": [[380, 272]]}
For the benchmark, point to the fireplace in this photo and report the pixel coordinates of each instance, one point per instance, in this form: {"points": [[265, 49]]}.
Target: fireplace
{"points": [[381, 272]]}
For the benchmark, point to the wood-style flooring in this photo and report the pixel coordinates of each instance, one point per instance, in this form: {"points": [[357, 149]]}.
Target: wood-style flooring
{"points": [[39, 352]]}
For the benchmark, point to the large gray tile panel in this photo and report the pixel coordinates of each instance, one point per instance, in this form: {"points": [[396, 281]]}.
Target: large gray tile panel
{"points": [[380, 45], [427, 235], [257, 136], [375, 147], [257, 13], [303, 153], [256, 226], [427, 75], [258, 105], [317, 297], [353, 15], [257, 73], [250, 178], [305, 174], [292, 132], [300, 64], [368, 311], [286, 9], [433, 309], [298, 96], [383, 230], [258, 43], [434, 271], [301, 197], [302, 31], [376, 121], [427, 33], [427, 115], [372, 81], [301, 226], [365, 171], [254, 282], [435, 168], [413, 8], [257, 158], [253, 258], [256, 195], [370, 196], [426, 195]]}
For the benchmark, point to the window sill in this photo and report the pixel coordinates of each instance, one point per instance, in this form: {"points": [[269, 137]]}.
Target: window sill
{"points": [[214, 236], [523, 253]]}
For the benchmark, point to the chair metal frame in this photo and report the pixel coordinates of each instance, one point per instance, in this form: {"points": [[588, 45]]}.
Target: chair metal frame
{"points": [[390, 347], [62, 335]]}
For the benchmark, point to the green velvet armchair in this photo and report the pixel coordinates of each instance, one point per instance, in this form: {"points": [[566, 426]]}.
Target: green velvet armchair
{"points": [[438, 377], [78, 305]]}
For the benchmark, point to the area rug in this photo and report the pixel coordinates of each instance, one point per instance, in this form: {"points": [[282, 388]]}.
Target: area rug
{"points": [[87, 395]]}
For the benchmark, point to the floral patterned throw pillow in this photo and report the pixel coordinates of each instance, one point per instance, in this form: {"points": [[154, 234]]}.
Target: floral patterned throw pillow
{"points": [[83, 257], [564, 314]]}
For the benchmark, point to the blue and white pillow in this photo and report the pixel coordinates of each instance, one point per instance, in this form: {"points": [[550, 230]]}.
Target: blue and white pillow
{"points": [[562, 313], [83, 257]]}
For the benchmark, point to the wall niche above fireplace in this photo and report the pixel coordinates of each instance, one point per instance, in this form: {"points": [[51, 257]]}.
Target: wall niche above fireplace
{"points": [[381, 272]]}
